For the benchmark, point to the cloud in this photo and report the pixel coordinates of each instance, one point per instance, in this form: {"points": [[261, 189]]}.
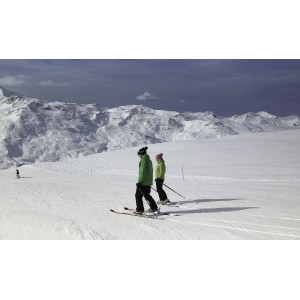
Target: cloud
{"points": [[11, 81], [145, 96], [51, 83]]}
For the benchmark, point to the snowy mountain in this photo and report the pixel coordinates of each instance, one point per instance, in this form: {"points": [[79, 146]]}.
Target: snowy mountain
{"points": [[33, 130]]}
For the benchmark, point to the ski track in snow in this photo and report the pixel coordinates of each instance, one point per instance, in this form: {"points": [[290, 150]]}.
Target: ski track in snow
{"points": [[241, 229], [55, 227]]}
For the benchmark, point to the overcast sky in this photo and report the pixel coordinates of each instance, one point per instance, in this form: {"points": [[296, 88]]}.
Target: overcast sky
{"points": [[226, 87]]}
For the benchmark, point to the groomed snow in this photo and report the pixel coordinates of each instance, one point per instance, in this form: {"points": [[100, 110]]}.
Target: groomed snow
{"points": [[236, 187]]}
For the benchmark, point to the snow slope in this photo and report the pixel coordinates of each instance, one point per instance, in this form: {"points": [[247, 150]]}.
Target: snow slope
{"points": [[238, 187]]}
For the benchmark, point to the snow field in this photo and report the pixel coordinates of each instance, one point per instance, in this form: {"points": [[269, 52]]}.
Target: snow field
{"points": [[237, 187]]}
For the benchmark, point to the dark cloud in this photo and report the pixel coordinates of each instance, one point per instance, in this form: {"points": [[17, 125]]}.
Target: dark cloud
{"points": [[226, 87]]}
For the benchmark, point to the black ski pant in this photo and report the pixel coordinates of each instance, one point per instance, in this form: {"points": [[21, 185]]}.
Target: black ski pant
{"points": [[159, 187], [144, 191]]}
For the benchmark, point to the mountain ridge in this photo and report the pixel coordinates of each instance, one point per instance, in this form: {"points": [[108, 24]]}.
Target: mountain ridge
{"points": [[36, 130]]}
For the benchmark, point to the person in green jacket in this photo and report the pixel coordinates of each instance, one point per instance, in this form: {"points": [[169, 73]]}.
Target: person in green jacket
{"points": [[145, 181], [159, 179]]}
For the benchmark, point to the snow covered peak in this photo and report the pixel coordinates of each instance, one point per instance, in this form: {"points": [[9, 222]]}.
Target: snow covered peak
{"points": [[265, 115], [3, 91], [6, 93], [210, 114], [33, 130]]}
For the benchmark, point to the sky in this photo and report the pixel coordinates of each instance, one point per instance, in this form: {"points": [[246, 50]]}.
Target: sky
{"points": [[224, 86]]}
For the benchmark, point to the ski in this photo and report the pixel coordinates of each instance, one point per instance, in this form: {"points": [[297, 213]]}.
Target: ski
{"points": [[129, 212], [171, 204], [155, 214]]}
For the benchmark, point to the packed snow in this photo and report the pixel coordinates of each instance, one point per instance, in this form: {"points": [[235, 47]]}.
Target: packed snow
{"points": [[235, 187]]}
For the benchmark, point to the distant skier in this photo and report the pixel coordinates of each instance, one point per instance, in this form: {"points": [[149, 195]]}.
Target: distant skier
{"points": [[18, 173], [159, 179], [145, 181]]}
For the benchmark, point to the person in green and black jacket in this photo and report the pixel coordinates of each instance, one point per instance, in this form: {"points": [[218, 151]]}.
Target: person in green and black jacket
{"points": [[145, 181]]}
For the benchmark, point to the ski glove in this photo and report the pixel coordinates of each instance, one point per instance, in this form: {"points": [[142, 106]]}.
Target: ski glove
{"points": [[138, 185]]}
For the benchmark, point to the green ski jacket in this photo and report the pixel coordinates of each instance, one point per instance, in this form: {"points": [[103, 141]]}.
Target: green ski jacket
{"points": [[160, 169], [145, 171]]}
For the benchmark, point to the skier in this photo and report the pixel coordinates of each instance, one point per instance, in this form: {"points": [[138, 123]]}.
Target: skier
{"points": [[18, 173], [159, 179], [143, 186]]}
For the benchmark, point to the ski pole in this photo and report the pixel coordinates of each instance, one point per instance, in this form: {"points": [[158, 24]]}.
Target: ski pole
{"points": [[147, 202], [154, 189], [174, 191]]}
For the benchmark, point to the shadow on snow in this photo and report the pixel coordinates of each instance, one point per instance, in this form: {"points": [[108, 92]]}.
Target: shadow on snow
{"points": [[211, 210], [206, 200]]}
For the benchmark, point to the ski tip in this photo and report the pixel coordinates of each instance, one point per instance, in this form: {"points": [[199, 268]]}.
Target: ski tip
{"points": [[126, 208], [112, 210]]}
